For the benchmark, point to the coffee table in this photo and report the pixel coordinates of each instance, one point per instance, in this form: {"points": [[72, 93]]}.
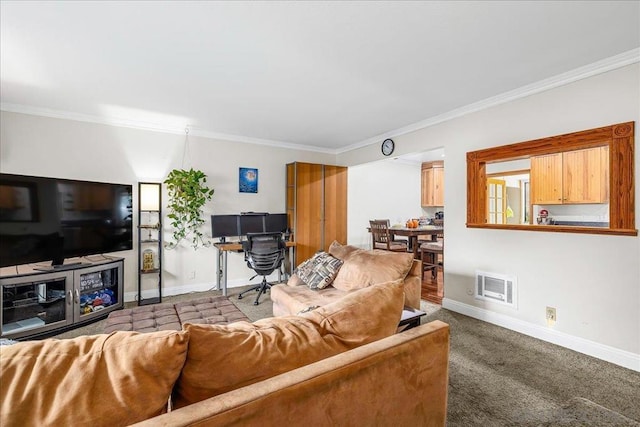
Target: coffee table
{"points": [[410, 318]]}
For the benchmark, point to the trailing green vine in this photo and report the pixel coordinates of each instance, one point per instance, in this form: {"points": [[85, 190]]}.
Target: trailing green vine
{"points": [[188, 194]]}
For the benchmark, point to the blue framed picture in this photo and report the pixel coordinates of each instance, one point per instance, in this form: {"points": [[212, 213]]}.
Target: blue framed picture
{"points": [[248, 180]]}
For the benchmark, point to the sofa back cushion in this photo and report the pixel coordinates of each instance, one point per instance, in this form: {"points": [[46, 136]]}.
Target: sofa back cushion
{"points": [[341, 251], [362, 268], [225, 357], [97, 380]]}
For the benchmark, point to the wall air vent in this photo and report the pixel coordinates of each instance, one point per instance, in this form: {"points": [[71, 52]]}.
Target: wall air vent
{"points": [[496, 287]]}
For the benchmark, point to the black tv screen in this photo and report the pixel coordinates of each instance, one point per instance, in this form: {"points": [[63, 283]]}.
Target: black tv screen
{"points": [[49, 219]]}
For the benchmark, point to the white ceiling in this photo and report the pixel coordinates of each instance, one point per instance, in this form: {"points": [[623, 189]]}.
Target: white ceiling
{"points": [[329, 75]]}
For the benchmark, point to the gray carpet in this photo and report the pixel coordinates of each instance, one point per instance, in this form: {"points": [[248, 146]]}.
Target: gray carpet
{"points": [[498, 377]]}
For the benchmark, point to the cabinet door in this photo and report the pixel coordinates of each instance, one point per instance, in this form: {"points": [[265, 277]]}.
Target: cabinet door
{"points": [[582, 176], [335, 205], [438, 186], [546, 179], [424, 186], [427, 187], [35, 303], [604, 173], [432, 185], [97, 290], [308, 216], [291, 197]]}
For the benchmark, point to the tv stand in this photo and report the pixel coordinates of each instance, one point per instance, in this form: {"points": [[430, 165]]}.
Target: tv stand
{"points": [[62, 267], [39, 302]]}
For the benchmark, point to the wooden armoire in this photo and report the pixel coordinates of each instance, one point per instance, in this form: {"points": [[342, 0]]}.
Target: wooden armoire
{"points": [[316, 207]]}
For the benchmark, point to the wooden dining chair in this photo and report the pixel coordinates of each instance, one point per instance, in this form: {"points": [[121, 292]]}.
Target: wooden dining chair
{"points": [[430, 253], [382, 239]]}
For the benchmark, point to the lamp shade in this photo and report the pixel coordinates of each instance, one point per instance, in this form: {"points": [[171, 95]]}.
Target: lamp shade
{"points": [[150, 196]]}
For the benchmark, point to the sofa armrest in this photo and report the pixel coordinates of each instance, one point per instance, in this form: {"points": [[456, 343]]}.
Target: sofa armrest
{"points": [[345, 388], [413, 285]]}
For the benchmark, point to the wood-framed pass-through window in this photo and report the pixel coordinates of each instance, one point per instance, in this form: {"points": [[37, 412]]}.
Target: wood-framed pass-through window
{"points": [[581, 182]]}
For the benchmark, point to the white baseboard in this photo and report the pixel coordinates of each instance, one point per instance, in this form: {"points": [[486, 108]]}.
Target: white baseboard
{"points": [[610, 354], [196, 287]]}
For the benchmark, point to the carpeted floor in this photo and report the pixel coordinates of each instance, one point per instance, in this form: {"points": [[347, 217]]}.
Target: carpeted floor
{"points": [[498, 377]]}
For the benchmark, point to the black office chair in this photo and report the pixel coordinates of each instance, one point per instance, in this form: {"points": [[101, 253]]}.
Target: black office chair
{"points": [[264, 253]]}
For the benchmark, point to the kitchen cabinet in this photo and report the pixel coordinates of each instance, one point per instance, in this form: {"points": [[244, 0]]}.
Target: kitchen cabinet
{"points": [[546, 179], [571, 177], [432, 184], [316, 207]]}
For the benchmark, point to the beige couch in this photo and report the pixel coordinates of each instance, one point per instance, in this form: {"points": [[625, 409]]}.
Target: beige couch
{"points": [[341, 364], [400, 380], [360, 268]]}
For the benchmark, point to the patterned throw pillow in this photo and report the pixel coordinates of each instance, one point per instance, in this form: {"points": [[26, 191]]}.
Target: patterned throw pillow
{"points": [[319, 271]]}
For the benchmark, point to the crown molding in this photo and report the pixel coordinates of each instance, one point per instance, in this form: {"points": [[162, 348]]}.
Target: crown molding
{"points": [[258, 141], [155, 127], [599, 67]]}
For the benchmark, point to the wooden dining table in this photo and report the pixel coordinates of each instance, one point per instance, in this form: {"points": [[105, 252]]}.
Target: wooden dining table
{"points": [[413, 233]]}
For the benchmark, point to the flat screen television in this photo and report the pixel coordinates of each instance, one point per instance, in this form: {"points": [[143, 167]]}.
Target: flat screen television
{"points": [[50, 219]]}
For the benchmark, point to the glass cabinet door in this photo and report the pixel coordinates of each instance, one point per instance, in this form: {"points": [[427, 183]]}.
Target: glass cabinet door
{"points": [[35, 304], [97, 290]]}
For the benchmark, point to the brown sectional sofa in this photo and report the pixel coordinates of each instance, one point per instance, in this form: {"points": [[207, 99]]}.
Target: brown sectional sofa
{"points": [[340, 364], [400, 380], [360, 268]]}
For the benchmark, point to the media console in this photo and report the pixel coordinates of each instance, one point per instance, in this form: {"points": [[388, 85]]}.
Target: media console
{"points": [[39, 303]]}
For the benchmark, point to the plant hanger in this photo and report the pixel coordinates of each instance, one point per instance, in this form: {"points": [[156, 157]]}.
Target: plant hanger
{"points": [[188, 193]]}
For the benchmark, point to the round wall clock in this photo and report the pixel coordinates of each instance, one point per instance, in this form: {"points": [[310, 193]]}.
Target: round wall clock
{"points": [[387, 147]]}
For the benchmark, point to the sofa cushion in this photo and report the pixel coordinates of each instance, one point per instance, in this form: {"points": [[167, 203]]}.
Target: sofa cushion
{"points": [[90, 380], [319, 271], [341, 251], [374, 311], [364, 268], [298, 298], [243, 353], [294, 280]]}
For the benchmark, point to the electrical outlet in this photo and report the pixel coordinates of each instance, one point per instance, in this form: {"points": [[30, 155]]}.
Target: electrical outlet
{"points": [[551, 314], [192, 275]]}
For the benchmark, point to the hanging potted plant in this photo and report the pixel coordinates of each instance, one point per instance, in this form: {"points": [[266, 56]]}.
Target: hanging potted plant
{"points": [[188, 194]]}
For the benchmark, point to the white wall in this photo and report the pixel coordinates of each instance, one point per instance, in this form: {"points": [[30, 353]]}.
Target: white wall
{"points": [[31, 145], [592, 280], [386, 189]]}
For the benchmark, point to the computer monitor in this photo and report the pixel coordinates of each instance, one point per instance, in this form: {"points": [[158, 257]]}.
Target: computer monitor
{"points": [[251, 223], [275, 223], [223, 226]]}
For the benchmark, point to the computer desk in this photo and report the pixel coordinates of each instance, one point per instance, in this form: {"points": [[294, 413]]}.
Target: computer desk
{"points": [[221, 266]]}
